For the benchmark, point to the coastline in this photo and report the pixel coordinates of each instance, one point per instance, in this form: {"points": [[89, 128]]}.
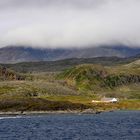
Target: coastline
{"points": [[16, 113], [34, 113]]}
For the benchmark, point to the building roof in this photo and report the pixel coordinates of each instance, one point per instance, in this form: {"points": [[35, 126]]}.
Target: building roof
{"points": [[108, 99]]}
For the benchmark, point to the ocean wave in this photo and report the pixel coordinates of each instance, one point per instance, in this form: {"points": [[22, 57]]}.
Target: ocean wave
{"points": [[10, 117]]}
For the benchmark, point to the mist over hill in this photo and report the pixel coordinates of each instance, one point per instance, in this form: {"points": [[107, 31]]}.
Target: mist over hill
{"points": [[29, 54]]}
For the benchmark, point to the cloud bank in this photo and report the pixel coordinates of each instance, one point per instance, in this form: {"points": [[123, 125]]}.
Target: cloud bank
{"points": [[69, 23]]}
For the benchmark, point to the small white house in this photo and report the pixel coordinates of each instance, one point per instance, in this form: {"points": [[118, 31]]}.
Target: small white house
{"points": [[109, 100], [106, 100]]}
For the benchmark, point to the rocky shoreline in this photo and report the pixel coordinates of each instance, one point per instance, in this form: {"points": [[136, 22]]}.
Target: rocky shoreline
{"points": [[86, 111]]}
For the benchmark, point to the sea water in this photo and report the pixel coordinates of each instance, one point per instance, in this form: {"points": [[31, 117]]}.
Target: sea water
{"points": [[119, 125]]}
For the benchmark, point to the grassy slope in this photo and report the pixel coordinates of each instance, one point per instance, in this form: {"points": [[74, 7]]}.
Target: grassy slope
{"points": [[53, 66], [72, 89], [99, 79]]}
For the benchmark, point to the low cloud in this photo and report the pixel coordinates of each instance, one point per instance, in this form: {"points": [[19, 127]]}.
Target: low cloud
{"points": [[69, 23]]}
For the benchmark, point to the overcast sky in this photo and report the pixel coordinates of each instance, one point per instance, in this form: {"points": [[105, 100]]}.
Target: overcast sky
{"points": [[69, 23]]}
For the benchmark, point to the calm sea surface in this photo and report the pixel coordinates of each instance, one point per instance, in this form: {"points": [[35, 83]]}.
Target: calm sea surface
{"points": [[121, 125]]}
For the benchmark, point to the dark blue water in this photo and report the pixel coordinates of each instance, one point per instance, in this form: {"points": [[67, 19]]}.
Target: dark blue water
{"points": [[122, 125]]}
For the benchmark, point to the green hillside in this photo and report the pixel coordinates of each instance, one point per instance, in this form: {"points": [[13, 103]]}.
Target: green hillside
{"points": [[60, 65], [90, 76], [110, 81], [73, 88]]}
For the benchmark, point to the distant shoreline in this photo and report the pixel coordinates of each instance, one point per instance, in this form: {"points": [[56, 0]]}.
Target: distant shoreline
{"points": [[15, 113], [33, 113]]}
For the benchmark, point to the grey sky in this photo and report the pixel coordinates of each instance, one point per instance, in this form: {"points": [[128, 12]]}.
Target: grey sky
{"points": [[69, 23]]}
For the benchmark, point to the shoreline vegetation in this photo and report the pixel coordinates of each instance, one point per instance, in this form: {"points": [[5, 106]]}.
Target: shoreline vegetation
{"points": [[71, 90], [37, 107], [80, 112], [30, 113], [86, 111]]}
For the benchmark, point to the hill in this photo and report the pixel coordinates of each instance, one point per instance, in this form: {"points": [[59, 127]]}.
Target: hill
{"points": [[28, 54], [72, 89], [60, 65], [111, 81], [93, 75]]}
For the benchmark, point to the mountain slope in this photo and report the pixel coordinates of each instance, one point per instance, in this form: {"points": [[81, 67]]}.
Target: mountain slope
{"points": [[95, 77], [59, 65], [28, 54]]}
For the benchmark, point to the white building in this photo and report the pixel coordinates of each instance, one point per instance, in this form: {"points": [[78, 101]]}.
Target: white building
{"points": [[109, 100], [106, 100]]}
